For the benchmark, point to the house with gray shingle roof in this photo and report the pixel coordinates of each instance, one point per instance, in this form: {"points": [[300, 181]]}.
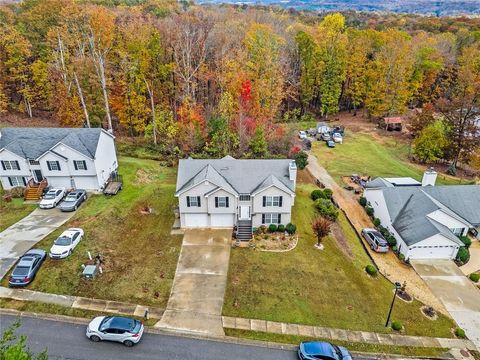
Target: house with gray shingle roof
{"points": [[229, 192], [81, 158], [427, 220]]}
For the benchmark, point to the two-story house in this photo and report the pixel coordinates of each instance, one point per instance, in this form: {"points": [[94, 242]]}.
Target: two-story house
{"points": [[426, 220], [71, 158], [228, 192]]}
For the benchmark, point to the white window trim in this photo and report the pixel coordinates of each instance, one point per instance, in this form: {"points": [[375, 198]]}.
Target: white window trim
{"points": [[245, 198], [269, 218], [17, 181], [193, 203], [272, 200], [80, 164], [53, 165], [222, 201], [10, 165]]}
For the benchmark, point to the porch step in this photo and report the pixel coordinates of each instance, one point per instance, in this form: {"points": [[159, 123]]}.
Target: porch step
{"points": [[244, 230]]}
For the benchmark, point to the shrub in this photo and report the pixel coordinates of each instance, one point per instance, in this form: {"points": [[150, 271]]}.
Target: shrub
{"points": [[272, 228], [392, 242], [16, 192], [362, 201], [396, 325], [261, 230], [371, 270], [281, 228], [394, 248], [326, 208], [369, 210], [301, 159], [401, 257], [317, 194], [463, 255], [460, 333], [328, 193], [384, 231], [376, 222], [465, 240], [290, 228], [475, 277]]}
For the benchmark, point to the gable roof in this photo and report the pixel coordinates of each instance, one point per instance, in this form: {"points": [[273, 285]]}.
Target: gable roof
{"points": [[377, 183], [409, 206], [237, 176], [31, 143]]}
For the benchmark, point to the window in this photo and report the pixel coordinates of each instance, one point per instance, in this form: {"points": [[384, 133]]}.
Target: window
{"points": [[34, 162], [16, 181], [53, 166], [244, 197], [80, 164], [221, 201], [10, 165], [271, 219], [272, 201], [193, 201]]}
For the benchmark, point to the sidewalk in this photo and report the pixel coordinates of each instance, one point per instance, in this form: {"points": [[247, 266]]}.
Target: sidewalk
{"points": [[474, 262], [387, 263], [344, 335], [78, 302]]}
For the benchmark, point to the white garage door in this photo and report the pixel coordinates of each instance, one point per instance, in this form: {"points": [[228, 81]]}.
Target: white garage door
{"points": [[432, 252], [86, 182], [221, 220], [196, 220]]}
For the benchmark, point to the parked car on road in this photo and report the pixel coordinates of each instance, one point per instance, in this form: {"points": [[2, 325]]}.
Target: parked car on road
{"points": [[65, 243], [331, 143], [52, 198], [27, 267], [73, 200], [302, 135], [314, 350], [376, 240], [337, 138], [115, 328]]}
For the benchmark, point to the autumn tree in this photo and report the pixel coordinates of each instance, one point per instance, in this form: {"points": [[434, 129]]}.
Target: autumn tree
{"points": [[321, 228], [431, 142]]}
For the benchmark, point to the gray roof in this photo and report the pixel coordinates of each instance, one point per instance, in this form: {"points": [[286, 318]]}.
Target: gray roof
{"points": [[31, 143], [377, 183], [237, 176], [409, 206]]}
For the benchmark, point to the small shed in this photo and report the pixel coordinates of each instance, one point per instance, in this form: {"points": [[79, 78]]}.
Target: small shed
{"points": [[393, 123]]}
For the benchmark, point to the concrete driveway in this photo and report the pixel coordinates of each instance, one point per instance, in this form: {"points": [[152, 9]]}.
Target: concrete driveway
{"points": [[21, 236], [460, 297], [196, 300]]}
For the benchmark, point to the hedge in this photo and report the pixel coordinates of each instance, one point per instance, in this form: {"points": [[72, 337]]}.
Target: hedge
{"points": [[317, 194], [326, 208], [272, 228], [362, 201], [291, 228], [463, 255]]}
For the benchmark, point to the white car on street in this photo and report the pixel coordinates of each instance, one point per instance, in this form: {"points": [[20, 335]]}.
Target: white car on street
{"points": [[115, 328], [65, 243], [52, 198]]}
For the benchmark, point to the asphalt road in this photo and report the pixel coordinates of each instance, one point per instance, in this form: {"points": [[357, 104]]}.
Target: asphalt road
{"points": [[68, 341]]}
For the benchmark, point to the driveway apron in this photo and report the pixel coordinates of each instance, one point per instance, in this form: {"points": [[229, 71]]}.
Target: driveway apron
{"points": [[21, 236], [460, 297], [196, 300]]}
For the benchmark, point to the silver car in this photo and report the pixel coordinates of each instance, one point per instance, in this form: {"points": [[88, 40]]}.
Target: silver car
{"points": [[115, 328], [376, 240]]}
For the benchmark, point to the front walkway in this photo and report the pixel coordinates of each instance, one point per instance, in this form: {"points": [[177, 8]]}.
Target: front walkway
{"points": [[344, 335], [196, 300], [388, 264], [473, 264], [21, 236], [460, 297]]}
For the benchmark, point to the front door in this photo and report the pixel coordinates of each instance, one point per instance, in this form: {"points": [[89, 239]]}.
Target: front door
{"points": [[244, 213], [37, 174]]}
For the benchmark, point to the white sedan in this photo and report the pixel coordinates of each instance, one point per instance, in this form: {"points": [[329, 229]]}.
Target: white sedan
{"points": [[65, 243], [52, 198]]}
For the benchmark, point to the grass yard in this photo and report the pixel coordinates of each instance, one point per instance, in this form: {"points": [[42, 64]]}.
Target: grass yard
{"points": [[327, 288], [364, 155], [11, 212], [140, 254]]}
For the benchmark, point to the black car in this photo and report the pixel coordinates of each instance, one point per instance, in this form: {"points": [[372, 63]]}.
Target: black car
{"points": [[27, 267], [73, 200]]}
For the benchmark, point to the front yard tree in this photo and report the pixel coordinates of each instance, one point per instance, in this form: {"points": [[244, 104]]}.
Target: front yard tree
{"points": [[14, 348], [321, 228], [431, 142]]}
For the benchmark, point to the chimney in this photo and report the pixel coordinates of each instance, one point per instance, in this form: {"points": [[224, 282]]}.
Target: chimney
{"points": [[429, 177], [292, 171]]}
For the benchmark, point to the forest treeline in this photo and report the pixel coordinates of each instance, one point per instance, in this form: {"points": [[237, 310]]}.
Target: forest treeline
{"points": [[218, 80]]}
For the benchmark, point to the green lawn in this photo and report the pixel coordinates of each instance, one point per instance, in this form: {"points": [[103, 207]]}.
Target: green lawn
{"points": [[11, 212], [327, 288], [140, 254], [362, 154]]}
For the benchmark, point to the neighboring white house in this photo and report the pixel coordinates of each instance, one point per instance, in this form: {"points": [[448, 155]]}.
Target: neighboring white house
{"points": [[426, 220], [228, 192], [72, 158]]}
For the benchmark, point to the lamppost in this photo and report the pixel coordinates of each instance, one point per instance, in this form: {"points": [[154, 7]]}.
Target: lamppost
{"points": [[397, 287]]}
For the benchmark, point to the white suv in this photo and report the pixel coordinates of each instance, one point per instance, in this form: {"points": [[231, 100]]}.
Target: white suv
{"points": [[115, 328]]}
